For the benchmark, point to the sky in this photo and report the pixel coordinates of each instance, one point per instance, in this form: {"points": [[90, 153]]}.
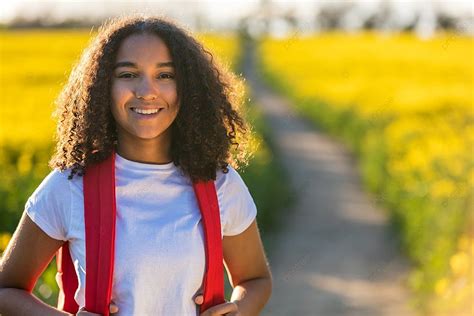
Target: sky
{"points": [[219, 12]]}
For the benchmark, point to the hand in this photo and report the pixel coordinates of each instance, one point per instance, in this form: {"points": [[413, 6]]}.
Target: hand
{"points": [[112, 308], [227, 308]]}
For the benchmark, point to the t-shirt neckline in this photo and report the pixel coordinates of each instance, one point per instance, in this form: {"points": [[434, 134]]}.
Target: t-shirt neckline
{"points": [[129, 164]]}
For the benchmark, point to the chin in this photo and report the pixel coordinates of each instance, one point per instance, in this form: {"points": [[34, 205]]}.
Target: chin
{"points": [[149, 137]]}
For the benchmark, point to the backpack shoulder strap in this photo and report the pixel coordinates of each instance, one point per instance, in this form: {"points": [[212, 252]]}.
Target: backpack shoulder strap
{"points": [[213, 283], [99, 217], [66, 279]]}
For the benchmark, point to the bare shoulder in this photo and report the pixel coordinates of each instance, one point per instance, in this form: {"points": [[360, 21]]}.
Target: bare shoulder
{"points": [[27, 255]]}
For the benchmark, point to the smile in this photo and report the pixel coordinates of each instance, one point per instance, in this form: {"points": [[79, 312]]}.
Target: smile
{"points": [[147, 112]]}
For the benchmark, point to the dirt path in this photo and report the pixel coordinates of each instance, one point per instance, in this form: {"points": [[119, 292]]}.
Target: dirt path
{"points": [[336, 254]]}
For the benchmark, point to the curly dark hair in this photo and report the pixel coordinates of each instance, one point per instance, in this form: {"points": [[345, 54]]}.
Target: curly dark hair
{"points": [[208, 132]]}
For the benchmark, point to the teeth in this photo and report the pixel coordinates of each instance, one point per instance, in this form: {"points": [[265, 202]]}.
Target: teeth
{"points": [[145, 111]]}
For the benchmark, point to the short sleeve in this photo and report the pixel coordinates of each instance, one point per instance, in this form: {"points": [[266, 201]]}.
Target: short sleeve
{"points": [[238, 209], [49, 205]]}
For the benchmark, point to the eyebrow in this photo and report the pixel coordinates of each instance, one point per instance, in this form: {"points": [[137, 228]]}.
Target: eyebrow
{"points": [[133, 65]]}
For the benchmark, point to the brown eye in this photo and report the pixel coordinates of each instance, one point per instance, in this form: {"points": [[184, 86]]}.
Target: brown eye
{"points": [[126, 75], [166, 76]]}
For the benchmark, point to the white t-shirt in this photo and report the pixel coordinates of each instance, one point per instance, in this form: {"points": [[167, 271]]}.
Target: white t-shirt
{"points": [[159, 255]]}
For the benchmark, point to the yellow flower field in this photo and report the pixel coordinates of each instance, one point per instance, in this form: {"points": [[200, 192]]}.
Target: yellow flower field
{"points": [[380, 73]]}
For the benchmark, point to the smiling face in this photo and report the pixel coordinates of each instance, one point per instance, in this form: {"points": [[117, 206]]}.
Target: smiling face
{"points": [[143, 81]]}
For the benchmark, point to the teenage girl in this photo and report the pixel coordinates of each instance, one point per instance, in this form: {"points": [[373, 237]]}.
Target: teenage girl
{"points": [[147, 92]]}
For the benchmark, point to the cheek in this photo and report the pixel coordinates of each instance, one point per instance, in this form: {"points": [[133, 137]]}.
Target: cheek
{"points": [[171, 93], [116, 93], [116, 100]]}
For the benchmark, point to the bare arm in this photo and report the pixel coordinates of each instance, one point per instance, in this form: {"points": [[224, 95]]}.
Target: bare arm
{"points": [[27, 255], [248, 270]]}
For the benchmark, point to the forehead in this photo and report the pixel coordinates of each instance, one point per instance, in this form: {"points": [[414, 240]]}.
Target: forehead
{"points": [[143, 47]]}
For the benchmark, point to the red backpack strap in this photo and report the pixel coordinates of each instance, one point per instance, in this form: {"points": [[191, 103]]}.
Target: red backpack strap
{"points": [[99, 217], [67, 280], [213, 283]]}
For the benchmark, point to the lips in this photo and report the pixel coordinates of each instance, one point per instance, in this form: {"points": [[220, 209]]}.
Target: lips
{"points": [[147, 108], [155, 109]]}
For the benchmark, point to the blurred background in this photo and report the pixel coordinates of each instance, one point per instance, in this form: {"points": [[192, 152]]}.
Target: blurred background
{"points": [[390, 81]]}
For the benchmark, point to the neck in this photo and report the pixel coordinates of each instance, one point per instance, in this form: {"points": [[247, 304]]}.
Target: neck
{"points": [[155, 151]]}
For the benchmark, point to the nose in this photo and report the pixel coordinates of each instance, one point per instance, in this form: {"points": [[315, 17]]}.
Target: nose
{"points": [[146, 89]]}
